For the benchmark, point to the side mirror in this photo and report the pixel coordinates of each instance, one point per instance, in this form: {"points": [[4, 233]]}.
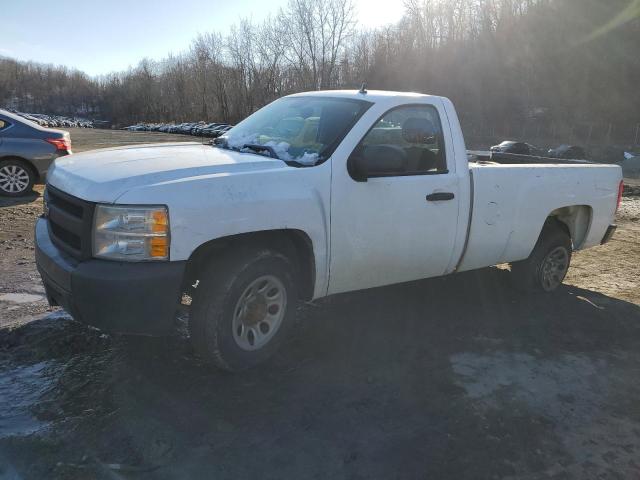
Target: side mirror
{"points": [[376, 161], [357, 166]]}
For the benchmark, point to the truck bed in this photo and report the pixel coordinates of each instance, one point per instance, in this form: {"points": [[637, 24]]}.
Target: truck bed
{"points": [[510, 203]]}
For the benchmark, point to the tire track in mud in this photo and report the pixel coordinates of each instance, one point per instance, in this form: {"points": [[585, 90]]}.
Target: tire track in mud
{"points": [[393, 380]]}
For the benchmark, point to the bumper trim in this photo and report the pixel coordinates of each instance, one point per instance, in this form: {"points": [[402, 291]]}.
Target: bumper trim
{"points": [[119, 297], [607, 236]]}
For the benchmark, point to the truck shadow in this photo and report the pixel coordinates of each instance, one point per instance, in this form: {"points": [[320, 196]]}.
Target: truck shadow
{"points": [[23, 200], [457, 377]]}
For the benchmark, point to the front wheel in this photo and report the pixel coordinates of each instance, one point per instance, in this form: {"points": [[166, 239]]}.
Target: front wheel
{"points": [[16, 178], [243, 307], [546, 267]]}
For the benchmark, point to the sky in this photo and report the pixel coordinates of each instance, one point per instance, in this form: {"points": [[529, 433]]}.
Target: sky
{"points": [[99, 37]]}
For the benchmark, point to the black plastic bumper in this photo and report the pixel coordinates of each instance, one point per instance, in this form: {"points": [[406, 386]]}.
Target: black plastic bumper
{"points": [[607, 236], [120, 297]]}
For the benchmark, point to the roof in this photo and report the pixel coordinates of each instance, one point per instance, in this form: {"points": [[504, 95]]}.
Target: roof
{"points": [[371, 95], [19, 119], [11, 115]]}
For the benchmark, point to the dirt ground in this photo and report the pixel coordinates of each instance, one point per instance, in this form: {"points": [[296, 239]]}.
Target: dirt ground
{"points": [[452, 378], [89, 139]]}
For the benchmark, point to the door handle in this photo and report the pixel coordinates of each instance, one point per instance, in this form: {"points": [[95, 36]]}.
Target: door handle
{"points": [[440, 196]]}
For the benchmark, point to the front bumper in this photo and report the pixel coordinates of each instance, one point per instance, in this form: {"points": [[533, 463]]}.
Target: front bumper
{"points": [[120, 297]]}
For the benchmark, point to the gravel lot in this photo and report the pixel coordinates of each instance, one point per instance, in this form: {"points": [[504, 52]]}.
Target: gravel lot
{"points": [[459, 377]]}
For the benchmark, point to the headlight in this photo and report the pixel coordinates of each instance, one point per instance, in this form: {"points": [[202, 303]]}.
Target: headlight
{"points": [[131, 233]]}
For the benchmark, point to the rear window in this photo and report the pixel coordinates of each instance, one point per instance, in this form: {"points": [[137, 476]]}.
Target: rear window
{"points": [[13, 119]]}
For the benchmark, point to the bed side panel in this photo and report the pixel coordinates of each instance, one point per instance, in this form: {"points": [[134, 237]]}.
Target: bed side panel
{"points": [[512, 202]]}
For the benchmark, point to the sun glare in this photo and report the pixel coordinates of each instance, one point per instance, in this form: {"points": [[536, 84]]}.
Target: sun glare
{"points": [[376, 13]]}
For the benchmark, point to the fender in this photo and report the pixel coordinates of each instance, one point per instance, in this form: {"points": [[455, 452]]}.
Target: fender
{"points": [[211, 207]]}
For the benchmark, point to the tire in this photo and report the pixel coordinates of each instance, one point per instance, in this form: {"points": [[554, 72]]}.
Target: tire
{"points": [[16, 178], [236, 321], [548, 263]]}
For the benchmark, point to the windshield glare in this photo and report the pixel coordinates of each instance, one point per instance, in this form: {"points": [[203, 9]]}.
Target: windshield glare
{"points": [[300, 130]]}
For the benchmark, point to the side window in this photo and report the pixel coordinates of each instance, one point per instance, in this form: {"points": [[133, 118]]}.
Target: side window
{"points": [[405, 141], [3, 124]]}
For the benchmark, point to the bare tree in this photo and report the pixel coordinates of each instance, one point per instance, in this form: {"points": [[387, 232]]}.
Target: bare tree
{"points": [[318, 32], [500, 61]]}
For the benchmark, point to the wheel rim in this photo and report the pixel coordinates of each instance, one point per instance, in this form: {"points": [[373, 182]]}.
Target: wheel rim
{"points": [[258, 313], [13, 179], [554, 268]]}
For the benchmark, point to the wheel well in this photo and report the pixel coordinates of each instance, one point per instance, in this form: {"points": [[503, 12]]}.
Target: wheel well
{"points": [[575, 219], [295, 244], [31, 166]]}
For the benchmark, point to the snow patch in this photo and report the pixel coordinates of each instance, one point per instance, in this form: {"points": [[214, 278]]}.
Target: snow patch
{"points": [[281, 149], [21, 298], [237, 141], [308, 158]]}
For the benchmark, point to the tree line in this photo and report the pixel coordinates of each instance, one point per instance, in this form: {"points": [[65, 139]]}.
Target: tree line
{"points": [[500, 61]]}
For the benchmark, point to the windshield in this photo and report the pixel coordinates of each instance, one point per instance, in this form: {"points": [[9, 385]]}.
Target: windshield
{"points": [[298, 130]]}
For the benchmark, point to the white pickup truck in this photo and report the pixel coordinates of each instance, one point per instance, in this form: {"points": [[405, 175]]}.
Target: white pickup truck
{"points": [[315, 194]]}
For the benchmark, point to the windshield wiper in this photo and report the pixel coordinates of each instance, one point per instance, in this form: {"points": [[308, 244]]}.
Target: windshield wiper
{"points": [[221, 142], [259, 149], [256, 147]]}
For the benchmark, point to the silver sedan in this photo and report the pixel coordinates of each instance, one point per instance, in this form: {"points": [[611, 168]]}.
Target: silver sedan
{"points": [[26, 152]]}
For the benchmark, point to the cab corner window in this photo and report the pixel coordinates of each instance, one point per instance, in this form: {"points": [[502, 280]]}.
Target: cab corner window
{"points": [[404, 141]]}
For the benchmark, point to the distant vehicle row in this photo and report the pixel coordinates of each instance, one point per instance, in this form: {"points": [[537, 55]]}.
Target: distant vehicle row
{"points": [[55, 120], [201, 129]]}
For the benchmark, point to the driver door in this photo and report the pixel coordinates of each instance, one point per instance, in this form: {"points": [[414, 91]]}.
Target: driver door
{"points": [[401, 223]]}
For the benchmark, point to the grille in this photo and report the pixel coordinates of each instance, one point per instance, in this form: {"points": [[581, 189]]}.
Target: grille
{"points": [[70, 221]]}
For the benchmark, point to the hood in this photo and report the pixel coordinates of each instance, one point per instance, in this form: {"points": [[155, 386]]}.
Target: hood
{"points": [[105, 175]]}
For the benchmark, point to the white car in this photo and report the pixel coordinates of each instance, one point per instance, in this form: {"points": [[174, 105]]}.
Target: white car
{"points": [[315, 194]]}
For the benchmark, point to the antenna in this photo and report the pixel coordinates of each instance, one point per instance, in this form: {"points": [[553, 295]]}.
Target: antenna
{"points": [[363, 88]]}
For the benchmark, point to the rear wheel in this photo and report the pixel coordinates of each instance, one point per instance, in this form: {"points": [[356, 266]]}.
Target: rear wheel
{"points": [[546, 267], [243, 307], [16, 178]]}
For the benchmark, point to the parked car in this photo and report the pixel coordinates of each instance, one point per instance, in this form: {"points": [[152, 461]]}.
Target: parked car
{"points": [[26, 152], [572, 152], [375, 188], [520, 148]]}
